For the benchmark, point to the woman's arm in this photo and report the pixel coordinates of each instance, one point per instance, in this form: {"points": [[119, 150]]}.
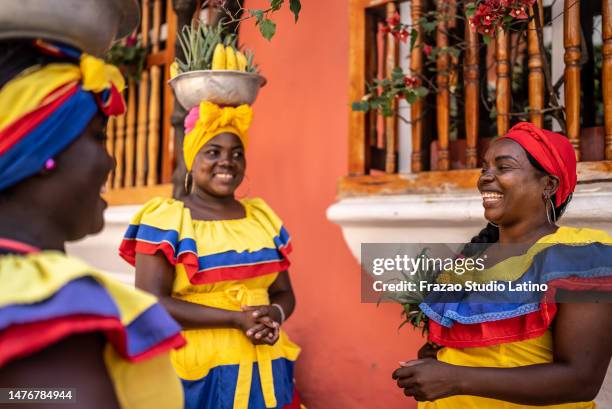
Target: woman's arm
{"points": [[155, 275], [75, 362], [281, 293], [582, 352]]}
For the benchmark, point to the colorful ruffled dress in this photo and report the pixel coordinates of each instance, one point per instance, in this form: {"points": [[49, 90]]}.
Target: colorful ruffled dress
{"points": [[48, 296], [513, 334], [223, 264]]}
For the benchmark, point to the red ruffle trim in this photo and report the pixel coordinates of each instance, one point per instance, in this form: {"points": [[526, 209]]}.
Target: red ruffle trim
{"points": [[23, 340], [129, 248], [515, 329]]}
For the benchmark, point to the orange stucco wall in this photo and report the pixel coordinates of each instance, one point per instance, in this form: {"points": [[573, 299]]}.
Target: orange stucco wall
{"points": [[297, 152]]}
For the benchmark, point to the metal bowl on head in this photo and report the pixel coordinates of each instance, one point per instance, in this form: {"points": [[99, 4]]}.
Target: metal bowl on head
{"points": [[222, 87], [89, 25]]}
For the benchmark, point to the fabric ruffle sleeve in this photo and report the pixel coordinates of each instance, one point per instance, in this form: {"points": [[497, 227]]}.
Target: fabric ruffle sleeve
{"points": [[161, 225], [571, 260], [48, 296], [210, 250], [270, 221]]}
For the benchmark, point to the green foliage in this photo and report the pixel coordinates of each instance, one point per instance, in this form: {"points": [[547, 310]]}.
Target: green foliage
{"points": [[295, 6], [382, 93], [129, 59], [267, 26], [410, 301], [198, 43]]}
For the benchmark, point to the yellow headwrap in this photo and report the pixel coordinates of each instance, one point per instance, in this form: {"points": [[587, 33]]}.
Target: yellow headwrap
{"points": [[212, 121], [28, 91]]}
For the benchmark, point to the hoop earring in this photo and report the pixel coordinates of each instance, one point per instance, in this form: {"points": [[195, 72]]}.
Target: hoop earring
{"points": [[187, 189], [552, 209]]}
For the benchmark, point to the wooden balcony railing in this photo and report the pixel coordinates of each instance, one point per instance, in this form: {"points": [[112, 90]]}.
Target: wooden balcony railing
{"points": [[141, 140], [438, 160]]}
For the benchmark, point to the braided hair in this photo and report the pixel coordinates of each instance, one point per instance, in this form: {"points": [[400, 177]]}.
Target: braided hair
{"points": [[490, 234]]}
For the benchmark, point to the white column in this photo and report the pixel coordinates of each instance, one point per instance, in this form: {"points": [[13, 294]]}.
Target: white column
{"points": [[404, 129]]}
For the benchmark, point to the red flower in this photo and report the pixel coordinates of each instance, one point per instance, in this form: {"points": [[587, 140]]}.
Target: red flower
{"points": [[519, 13], [427, 49], [411, 82], [403, 35], [394, 20]]}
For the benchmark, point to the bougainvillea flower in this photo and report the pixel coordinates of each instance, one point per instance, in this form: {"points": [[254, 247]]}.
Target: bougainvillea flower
{"points": [[394, 20]]}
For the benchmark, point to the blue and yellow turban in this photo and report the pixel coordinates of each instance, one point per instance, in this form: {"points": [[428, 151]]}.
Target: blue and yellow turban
{"points": [[208, 120], [44, 109]]}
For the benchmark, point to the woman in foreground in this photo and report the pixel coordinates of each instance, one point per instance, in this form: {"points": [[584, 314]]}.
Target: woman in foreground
{"points": [[517, 355], [63, 324]]}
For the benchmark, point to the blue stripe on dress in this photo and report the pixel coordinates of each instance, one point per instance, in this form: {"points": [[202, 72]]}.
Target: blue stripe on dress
{"points": [[85, 296], [217, 388], [232, 258], [555, 262]]}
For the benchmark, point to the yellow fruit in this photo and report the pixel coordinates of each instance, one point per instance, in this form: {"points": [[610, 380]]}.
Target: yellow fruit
{"points": [[174, 70], [218, 61], [230, 59], [242, 61]]}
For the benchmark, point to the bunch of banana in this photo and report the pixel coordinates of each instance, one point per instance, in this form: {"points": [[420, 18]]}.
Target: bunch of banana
{"points": [[226, 58]]}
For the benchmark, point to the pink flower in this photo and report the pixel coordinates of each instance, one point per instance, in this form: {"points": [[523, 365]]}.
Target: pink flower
{"points": [[427, 49], [191, 119], [131, 40]]}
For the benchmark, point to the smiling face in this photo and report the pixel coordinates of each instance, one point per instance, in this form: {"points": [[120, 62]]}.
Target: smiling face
{"points": [[218, 168], [512, 189]]}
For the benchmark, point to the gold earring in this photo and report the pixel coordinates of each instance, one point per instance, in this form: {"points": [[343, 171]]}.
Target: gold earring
{"points": [[187, 190]]}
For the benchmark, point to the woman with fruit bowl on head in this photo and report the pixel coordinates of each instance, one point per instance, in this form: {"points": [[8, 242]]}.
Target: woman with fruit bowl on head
{"points": [[219, 266], [544, 351]]}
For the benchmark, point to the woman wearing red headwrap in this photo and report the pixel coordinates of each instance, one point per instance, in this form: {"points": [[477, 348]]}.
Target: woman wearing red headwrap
{"points": [[502, 350]]}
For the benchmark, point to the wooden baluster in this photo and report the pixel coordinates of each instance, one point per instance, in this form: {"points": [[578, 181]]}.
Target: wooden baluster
{"points": [[392, 61], [416, 108], [607, 73], [503, 81], [380, 75], [154, 101], [536, 70], [571, 42], [443, 96], [471, 76], [167, 133], [143, 95], [357, 141], [119, 151], [110, 147], [130, 135]]}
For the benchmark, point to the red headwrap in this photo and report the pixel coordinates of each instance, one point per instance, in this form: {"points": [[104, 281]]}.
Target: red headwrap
{"points": [[551, 150]]}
